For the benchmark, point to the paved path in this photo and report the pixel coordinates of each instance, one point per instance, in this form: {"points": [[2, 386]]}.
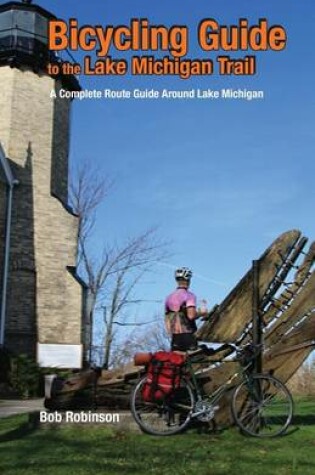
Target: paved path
{"points": [[12, 407]]}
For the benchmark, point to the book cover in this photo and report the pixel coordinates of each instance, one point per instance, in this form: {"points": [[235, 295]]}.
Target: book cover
{"points": [[137, 140]]}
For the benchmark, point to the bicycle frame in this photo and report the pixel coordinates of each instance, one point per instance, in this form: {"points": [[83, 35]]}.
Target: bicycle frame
{"points": [[216, 395], [253, 398]]}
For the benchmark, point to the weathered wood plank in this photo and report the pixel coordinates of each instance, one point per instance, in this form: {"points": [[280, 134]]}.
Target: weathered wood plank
{"points": [[303, 303], [284, 365], [289, 352], [290, 293], [79, 381], [229, 319]]}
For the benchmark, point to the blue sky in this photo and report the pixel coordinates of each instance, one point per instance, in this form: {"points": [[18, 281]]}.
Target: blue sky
{"points": [[220, 178]]}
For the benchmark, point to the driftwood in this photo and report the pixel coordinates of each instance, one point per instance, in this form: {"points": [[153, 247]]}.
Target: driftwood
{"points": [[229, 319], [290, 292], [301, 306], [287, 310]]}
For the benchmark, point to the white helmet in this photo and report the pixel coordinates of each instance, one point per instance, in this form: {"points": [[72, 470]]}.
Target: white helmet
{"points": [[183, 273]]}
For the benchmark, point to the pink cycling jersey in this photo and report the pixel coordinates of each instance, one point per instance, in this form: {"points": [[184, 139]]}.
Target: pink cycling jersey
{"points": [[177, 299], [176, 319]]}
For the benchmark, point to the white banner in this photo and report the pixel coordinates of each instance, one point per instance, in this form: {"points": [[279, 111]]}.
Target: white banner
{"points": [[59, 356]]}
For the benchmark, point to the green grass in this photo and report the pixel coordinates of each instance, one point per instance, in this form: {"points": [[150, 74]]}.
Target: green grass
{"points": [[98, 450]]}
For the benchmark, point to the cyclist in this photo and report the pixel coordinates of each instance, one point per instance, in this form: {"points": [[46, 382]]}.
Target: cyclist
{"points": [[181, 313]]}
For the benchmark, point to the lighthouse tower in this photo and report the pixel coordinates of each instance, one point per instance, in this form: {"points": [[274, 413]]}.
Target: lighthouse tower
{"points": [[44, 298]]}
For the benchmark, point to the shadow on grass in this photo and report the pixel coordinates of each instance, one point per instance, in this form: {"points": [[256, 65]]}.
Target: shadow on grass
{"points": [[39, 451], [23, 430], [304, 420]]}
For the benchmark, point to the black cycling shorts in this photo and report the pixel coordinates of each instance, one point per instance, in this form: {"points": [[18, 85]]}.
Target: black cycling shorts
{"points": [[183, 342]]}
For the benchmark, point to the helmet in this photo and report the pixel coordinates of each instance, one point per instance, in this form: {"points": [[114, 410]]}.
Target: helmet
{"points": [[183, 273]]}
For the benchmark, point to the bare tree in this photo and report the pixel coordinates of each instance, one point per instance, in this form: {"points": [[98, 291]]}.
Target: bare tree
{"points": [[86, 192], [113, 272], [151, 337]]}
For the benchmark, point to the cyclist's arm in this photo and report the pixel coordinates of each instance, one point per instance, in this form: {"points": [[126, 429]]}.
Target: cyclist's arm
{"points": [[191, 310]]}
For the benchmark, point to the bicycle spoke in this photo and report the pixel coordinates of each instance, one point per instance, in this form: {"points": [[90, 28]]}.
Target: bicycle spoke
{"points": [[263, 407], [165, 417]]}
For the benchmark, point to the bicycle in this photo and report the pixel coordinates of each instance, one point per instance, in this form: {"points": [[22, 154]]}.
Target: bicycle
{"points": [[261, 404]]}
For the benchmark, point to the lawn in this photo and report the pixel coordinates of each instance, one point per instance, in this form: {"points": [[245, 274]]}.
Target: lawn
{"points": [[98, 450]]}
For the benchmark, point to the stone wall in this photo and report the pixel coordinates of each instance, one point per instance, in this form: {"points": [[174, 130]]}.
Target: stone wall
{"points": [[44, 299]]}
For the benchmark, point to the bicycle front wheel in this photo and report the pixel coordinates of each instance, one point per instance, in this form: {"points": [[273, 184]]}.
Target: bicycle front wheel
{"points": [[166, 417], [262, 406]]}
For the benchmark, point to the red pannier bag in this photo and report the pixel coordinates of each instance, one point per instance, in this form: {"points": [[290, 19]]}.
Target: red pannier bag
{"points": [[163, 375]]}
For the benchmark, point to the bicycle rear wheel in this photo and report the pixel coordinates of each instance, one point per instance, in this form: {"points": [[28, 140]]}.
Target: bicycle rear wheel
{"points": [[166, 417], [262, 407]]}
